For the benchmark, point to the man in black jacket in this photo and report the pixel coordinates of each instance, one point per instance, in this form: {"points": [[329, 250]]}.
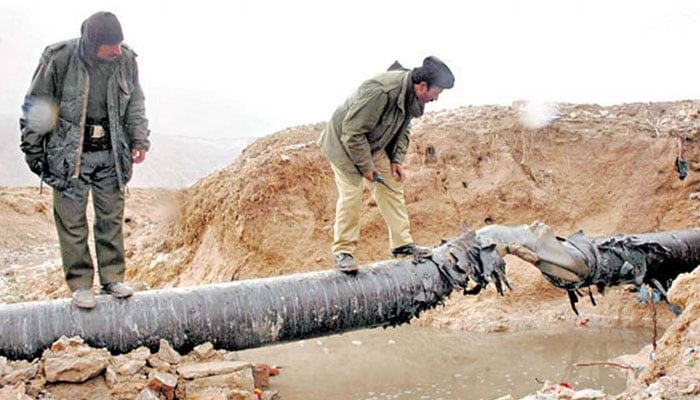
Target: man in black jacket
{"points": [[83, 127]]}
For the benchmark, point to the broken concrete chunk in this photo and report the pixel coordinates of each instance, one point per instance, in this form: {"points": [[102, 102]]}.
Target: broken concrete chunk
{"points": [[167, 353], [128, 387], [110, 377], [70, 360], [131, 367], [162, 383], [205, 351], [156, 362], [19, 371], [16, 392], [235, 384], [147, 394], [64, 342], [200, 370]]}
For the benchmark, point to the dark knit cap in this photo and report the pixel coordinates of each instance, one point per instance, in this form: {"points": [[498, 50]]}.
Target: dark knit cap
{"points": [[102, 28], [437, 73]]}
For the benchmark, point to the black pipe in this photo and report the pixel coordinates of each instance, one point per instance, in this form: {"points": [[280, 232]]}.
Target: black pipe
{"points": [[246, 314], [234, 316]]}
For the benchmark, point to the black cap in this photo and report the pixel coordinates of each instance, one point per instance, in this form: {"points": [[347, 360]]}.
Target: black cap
{"points": [[438, 73]]}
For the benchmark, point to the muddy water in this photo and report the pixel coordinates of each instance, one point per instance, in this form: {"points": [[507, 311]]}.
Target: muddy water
{"points": [[410, 363]]}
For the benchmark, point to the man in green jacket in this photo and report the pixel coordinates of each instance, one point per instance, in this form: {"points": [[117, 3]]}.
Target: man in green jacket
{"points": [[368, 137], [83, 126]]}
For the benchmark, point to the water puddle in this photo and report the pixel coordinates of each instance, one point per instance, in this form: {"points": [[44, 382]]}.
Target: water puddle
{"points": [[410, 363]]}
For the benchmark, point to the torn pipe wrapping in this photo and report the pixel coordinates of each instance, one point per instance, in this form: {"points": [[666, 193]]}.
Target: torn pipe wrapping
{"points": [[636, 259], [579, 261], [251, 313]]}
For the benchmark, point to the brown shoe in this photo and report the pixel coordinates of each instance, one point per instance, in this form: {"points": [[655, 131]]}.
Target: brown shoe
{"points": [[117, 289], [83, 298]]}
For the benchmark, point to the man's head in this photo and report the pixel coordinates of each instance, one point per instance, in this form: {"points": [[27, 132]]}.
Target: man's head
{"points": [[430, 79], [101, 36]]}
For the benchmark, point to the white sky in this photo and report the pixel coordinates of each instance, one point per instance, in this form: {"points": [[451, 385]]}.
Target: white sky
{"points": [[214, 68]]}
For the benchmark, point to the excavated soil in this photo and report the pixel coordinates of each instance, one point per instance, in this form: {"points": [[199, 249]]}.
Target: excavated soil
{"points": [[603, 170]]}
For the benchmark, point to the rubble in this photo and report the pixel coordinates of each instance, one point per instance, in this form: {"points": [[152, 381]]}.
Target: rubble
{"points": [[71, 369]]}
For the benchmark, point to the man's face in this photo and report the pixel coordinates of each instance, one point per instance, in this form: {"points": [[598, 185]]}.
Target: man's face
{"points": [[426, 95], [109, 52]]}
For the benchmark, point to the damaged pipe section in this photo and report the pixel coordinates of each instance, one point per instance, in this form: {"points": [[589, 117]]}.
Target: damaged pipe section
{"points": [[578, 261], [252, 313]]}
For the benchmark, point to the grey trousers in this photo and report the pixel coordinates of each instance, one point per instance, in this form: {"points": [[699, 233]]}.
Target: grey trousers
{"points": [[97, 175]]}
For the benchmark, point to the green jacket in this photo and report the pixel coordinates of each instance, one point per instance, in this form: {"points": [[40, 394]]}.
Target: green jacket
{"points": [[375, 118], [62, 79]]}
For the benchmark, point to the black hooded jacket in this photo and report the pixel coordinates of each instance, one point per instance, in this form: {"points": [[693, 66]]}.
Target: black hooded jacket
{"points": [[62, 80]]}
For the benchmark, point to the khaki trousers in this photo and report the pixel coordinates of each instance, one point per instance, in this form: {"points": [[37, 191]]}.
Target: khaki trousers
{"points": [[97, 175], [391, 205]]}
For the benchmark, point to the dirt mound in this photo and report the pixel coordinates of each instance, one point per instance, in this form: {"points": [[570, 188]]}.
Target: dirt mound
{"points": [[600, 169]]}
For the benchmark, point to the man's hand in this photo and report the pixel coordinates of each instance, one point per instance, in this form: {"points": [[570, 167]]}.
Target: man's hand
{"points": [[36, 163], [38, 166], [369, 175], [397, 172], [138, 155]]}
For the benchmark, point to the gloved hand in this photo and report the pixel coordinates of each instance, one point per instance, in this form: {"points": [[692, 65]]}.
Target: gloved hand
{"points": [[37, 164]]}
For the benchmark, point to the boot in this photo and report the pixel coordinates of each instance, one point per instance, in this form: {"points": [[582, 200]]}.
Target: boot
{"points": [[345, 262], [117, 289], [83, 298]]}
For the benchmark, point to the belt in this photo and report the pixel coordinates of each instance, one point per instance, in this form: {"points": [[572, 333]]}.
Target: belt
{"points": [[96, 145], [96, 138]]}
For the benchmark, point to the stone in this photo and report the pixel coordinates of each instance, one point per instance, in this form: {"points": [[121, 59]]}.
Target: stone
{"points": [[162, 383], [130, 363], [146, 394], [205, 351], [35, 387], [167, 353], [239, 380], [14, 392], [71, 360], [110, 377], [129, 387], [157, 363], [74, 363], [141, 353], [200, 370], [131, 367], [19, 371], [261, 376], [93, 389], [64, 343]]}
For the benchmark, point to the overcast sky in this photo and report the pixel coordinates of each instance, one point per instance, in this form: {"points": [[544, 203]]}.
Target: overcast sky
{"points": [[213, 68]]}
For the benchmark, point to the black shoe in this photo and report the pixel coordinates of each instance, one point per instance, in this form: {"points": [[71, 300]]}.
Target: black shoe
{"points": [[412, 250], [117, 289], [83, 298], [345, 262]]}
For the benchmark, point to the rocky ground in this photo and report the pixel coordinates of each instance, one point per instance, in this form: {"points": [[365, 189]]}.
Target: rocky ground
{"points": [[600, 169]]}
